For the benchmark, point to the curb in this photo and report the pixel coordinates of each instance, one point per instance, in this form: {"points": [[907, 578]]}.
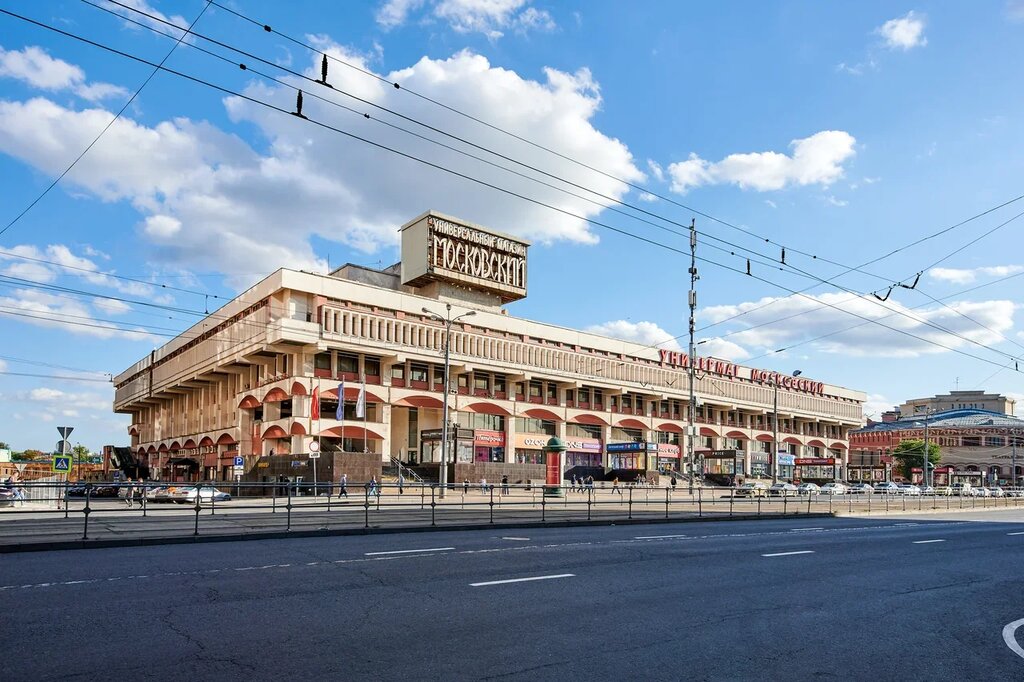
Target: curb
{"points": [[337, 532], [951, 510]]}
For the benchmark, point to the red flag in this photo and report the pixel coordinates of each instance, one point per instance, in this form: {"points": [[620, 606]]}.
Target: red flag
{"points": [[315, 414]]}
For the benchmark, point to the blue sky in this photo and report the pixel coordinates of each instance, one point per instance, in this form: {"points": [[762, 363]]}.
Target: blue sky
{"points": [[840, 130]]}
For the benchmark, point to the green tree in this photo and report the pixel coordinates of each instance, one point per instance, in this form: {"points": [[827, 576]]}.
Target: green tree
{"points": [[80, 452], [4, 445], [910, 453]]}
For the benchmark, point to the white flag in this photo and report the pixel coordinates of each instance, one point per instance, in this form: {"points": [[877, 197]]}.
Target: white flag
{"points": [[361, 403]]}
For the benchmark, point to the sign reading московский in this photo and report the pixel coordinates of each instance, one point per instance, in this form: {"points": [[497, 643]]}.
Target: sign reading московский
{"points": [[730, 369]]}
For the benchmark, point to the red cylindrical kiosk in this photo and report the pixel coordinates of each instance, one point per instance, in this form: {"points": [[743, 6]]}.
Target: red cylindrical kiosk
{"points": [[554, 462]]}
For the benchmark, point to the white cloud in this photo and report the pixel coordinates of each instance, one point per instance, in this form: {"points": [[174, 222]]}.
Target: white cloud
{"points": [[656, 170], [795, 319], [647, 196], [647, 333], [903, 33], [875, 405], [112, 306], [67, 400], [816, 160], [78, 266], [140, 16], [69, 315], [1015, 10], [33, 65], [3, 366], [210, 201], [394, 12], [966, 276], [489, 17], [770, 203], [724, 349], [836, 202]]}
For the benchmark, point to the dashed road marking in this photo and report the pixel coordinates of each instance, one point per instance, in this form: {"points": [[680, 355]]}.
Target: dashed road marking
{"points": [[926, 542], [803, 551], [657, 537], [410, 551], [793, 530], [1017, 533], [523, 580], [518, 539]]}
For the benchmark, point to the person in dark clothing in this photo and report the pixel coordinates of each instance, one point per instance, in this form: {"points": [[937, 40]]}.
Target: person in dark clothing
{"points": [[504, 485]]}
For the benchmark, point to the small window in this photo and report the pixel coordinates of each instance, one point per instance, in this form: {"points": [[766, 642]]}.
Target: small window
{"points": [[499, 384], [418, 373], [535, 389], [347, 363], [463, 381], [398, 371], [480, 381], [372, 367], [322, 361], [552, 391]]}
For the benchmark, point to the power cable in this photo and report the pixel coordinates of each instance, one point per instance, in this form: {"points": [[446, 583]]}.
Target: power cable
{"points": [[96, 139], [51, 376], [269, 29], [412, 157]]}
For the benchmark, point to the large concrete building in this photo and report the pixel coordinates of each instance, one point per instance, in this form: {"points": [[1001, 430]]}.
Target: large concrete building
{"points": [[241, 382], [958, 400]]}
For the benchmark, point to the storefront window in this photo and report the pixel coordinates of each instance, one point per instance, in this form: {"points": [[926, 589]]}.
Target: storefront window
{"points": [[529, 425], [529, 456], [582, 431], [582, 459]]}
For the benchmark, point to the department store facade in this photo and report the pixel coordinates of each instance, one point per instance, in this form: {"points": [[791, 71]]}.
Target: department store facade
{"points": [[242, 382]]}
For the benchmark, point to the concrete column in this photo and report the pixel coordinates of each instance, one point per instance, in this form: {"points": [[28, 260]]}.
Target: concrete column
{"points": [[606, 434], [510, 438]]}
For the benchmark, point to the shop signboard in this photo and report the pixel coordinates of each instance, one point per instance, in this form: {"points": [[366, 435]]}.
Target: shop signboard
{"points": [[633, 446], [436, 434], [535, 441], [668, 450], [788, 460], [812, 461]]}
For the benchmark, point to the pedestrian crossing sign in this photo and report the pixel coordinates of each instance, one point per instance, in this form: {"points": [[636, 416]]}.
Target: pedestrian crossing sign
{"points": [[61, 463]]}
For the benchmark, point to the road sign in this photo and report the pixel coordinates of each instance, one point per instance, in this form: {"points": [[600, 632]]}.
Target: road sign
{"points": [[239, 471], [65, 431], [239, 461], [313, 454], [314, 446], [61, 463], [63, 447]]}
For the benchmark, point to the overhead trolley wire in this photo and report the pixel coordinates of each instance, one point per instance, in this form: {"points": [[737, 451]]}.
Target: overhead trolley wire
{"points": [[412, 157], [96, 139], [606, 197]]}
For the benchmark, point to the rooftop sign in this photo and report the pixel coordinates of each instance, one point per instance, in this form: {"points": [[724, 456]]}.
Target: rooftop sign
{"points": [[440, 248]]}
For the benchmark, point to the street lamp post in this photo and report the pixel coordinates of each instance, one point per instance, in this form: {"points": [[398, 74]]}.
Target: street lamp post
{"points": [[447, 321], [928, 411], [775, 425]]}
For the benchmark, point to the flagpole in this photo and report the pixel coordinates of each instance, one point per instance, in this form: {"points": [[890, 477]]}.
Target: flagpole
{"points": [[319, 386], [366, 441]]}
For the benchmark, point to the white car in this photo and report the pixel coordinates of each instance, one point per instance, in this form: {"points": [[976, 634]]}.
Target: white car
{"points": [[927, 490], [887, 488], [782, 490], [861, 489], [183, 494], [944, 490], [809, 489], [979, 492], [909, 489], [996, 492], [833, 488]]}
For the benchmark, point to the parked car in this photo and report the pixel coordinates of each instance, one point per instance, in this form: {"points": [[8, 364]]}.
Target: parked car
{"points": [[206, 493], [159, 494], [833, 488], [755, 489], [996, 491], [860, 489], [782, 490], [887, 488], [944, 490], [908, 489], [1015, 492], [979, 492], [927, 490], [962, 489], [808, 489]]}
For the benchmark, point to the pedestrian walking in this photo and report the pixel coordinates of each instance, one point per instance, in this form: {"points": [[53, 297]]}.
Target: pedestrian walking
{"points": [[140, 491], [465, 486], [126, 492], [343, 486], [590, 482], [573, 486], [615, 486], [401, 483], [504, 484], [483, 485], [673, 483]]}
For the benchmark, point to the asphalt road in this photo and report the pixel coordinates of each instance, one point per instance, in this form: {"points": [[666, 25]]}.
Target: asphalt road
{"points": [[847, 598]]}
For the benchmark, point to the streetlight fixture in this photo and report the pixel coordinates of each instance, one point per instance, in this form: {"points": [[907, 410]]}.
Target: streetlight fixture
{"points": [[775, 424], [447, 321]]}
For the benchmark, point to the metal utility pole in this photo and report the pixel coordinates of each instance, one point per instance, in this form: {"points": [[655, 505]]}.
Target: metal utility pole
{"points": [[775, 429], [692, 405], [447, 321], [924, 465], [1013, 457]]}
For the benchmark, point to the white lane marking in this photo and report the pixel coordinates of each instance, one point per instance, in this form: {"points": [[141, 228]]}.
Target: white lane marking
{"points": [[410, 551], [523, 580], [656, 537], [796, 529], [1009, 636], [520, 539], [803, 551], [926, 542], [1018, 533], [904, 525]]}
